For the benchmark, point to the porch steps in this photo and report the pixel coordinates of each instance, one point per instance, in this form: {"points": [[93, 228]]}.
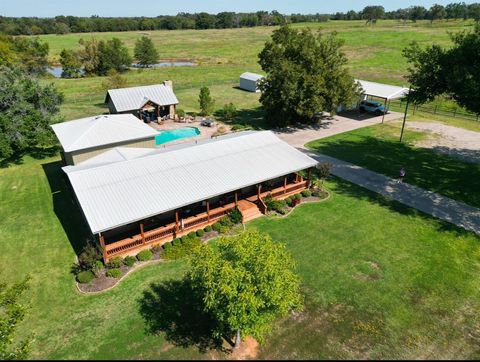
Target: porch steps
{"points": [[249, 210]]}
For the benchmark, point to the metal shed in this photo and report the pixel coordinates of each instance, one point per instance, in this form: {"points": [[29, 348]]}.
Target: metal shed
{"points": [[249, 81]]}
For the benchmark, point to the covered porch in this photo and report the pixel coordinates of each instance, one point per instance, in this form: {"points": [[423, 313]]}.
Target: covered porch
{"points": [[164, 228]]}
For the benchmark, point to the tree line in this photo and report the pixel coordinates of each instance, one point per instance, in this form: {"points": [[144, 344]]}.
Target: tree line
{"points": [[73, 24], [223, 20], [453, 11]]}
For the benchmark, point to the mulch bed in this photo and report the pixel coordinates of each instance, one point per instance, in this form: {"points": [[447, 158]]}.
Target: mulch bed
{"points": [[304, 200]]}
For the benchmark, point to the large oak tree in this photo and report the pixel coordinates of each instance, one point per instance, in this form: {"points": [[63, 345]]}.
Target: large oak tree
{"points": [[306, 74]]}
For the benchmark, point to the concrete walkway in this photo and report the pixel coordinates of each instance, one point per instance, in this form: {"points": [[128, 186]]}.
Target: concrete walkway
{"points": [[298, 136], [436, 205]]}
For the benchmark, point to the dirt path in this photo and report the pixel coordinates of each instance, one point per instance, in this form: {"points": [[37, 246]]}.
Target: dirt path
{"points": [[453, 141]]}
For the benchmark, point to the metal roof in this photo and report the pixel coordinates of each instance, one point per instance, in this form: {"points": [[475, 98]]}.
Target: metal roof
{"points": [[101, 130], [123, 192], [251, 76], [133, 98], [381, 90]]}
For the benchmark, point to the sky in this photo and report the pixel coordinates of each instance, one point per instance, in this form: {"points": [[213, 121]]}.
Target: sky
{"points": [[50, 8]]}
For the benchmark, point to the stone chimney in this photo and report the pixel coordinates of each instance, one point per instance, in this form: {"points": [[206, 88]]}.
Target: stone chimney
{"points": [[168, 83]]}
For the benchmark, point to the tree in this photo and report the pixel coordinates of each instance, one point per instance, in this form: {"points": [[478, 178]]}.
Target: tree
{"points": [[27, 108], [145, 52], [306, 74], [89, 55], [114, 81], [416, 13], [112, 54], [456, 11], [453, 71], [31, 55], [12, 313], [373, 13], [206, 101], [204, 21], [437, 12], [474, 12], [229, 112], [71, 66], [246, 282]]}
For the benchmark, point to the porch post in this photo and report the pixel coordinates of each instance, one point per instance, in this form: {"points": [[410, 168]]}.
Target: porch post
{"points": [[259, 188], [208, 210], [309, 179], [285, 185], [385, 110], [141, 232], [236, 198], [102, 244], [176, 221]]}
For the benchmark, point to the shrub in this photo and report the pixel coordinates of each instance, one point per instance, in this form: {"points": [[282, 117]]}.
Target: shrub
{"points": [[235, 216], [180, 112], [156, 249], [114, 273], [221, 228], [191, 234], [115, 263], [225, 221], [89, 256], [323, 170], [176, 241], [129, 261], [306, 193], [275, 205], [97, 268], [167, 246], [295, 202], [200, 233], [85, 276], [229, 112], [180, 251], [297, 196], [208, 228], [144, 255], [184, 239], [289, 200]]}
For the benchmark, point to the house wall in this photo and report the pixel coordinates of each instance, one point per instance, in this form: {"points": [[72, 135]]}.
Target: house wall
{"points": [[249, 85], [73, 158], [111, 107]]}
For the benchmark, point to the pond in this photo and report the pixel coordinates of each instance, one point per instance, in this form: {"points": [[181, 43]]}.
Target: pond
{"points": [[167, 64], [57, 71]]}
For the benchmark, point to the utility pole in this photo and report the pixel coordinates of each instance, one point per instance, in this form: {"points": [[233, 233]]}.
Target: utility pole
{"points": [[406, 110]]}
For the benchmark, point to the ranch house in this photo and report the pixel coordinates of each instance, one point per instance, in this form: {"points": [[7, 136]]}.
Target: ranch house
{"points": [[151, 197]]}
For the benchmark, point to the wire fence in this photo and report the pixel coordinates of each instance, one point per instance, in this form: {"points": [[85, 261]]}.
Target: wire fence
{"points": [[434, 109]]}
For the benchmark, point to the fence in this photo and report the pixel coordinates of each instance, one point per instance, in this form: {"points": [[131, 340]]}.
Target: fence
{"points": [[434, 109]]}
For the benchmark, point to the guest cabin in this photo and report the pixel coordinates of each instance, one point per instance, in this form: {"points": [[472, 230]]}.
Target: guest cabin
{"points": [[149, 103], [133, 199]]}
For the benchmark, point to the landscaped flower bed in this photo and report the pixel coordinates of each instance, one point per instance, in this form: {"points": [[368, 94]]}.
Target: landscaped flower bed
{"points": [[93, 275]]}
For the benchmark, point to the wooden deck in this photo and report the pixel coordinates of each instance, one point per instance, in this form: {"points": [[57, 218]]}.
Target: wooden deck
{"points": [[250, 208]]}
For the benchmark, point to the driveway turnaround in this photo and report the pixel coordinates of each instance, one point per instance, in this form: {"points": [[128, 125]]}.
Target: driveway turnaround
{"points": [[436, 205]]}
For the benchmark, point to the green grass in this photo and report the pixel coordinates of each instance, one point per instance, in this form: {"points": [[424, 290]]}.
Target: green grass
{"points": [[222, 55], [425, 290], [378, 149]]}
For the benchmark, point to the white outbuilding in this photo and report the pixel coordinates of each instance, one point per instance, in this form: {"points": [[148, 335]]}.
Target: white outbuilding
{"points": [[249, 81]]}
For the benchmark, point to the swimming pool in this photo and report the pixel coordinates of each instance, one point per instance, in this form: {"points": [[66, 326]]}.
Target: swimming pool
{"points": [[176, 134]]}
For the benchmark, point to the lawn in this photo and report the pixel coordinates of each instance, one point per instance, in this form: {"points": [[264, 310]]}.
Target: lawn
{"points": [[380, 280], [378, 149], [222, 55]]}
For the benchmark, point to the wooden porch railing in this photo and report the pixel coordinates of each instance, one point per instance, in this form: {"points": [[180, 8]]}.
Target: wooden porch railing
{"points": [[161, 235]]}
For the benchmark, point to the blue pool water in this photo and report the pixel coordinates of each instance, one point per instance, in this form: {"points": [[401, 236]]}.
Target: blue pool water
{"points": [[176, 134]]}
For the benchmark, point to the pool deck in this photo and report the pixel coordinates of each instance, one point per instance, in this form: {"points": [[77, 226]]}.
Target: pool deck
{"points": [[205, 132]]}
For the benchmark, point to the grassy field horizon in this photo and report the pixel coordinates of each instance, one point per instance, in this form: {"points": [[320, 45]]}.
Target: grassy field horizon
{"points": [[374, 53]]}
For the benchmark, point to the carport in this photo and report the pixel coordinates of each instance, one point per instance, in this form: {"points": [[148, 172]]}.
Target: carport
{"points": [[386, 92]]}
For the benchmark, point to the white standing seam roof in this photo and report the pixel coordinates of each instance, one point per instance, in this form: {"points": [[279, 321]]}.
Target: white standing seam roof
{"points": [[101, 130], [134, 98], [120, 193], [380, 90], [251, 76]]}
